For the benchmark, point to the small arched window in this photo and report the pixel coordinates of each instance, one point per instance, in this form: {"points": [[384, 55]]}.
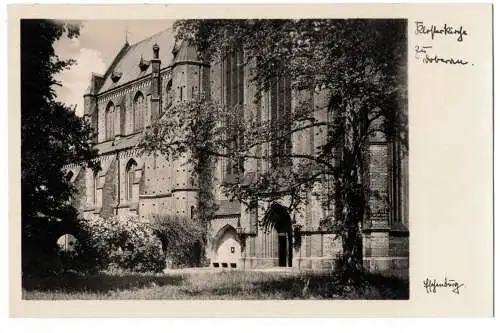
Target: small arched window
{"points": [[192, 212], [138, 112], [69, 175], [110, 121], [129, 184]]}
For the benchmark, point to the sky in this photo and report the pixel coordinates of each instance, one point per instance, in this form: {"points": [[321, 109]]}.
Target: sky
{"points": [[94, 50]]}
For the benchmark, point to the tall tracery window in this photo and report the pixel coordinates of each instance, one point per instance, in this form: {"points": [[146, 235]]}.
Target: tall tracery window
{"points": [[147, 120], [169, 94], [110, 121], [138, 112], [95, 183], [129, 183], [234, 80], [280, 108]]}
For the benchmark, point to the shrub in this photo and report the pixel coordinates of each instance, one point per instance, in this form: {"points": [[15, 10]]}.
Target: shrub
{"points": [[121, 242], [182, 239]]}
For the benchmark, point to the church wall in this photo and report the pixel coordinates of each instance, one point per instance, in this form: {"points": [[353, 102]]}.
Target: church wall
{"points": [[89, 204], [101, 107], [90, 109], [165, 187], [167, 95], [399, 251], [129, 111], [80, 199], [109, 191]]}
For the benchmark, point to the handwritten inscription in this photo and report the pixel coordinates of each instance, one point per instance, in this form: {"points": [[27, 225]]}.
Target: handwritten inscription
{"points": [[432, 286], [445, 30], [421, 54], [426, 53]]}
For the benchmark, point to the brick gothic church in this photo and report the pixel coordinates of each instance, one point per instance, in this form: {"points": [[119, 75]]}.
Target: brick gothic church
{"points": [[151, 75]]}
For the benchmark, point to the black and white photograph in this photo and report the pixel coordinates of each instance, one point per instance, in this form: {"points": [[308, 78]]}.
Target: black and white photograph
{"points": [[220, 159], [290, 161]]}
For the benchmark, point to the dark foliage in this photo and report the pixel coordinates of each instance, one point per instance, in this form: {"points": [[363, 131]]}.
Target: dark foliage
{"points": [[181, 239], [52, 135], [100, 282]]}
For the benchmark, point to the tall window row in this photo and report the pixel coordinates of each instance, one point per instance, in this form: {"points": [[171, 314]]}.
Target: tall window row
{"points": [[280, 112], [140, 110], [233, 69], [129, 194], [279, 102]]}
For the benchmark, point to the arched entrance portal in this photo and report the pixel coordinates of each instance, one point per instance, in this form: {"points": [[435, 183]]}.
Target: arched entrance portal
{"points": [[279, 220], [226, 248]]}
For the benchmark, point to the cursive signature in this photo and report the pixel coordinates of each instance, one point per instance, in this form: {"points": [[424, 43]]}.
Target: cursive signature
{"points": [[432, 286], [445, 30]]}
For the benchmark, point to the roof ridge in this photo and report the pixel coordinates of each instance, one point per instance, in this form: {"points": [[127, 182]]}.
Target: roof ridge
{"points": [[150, 37], [117, 58]]}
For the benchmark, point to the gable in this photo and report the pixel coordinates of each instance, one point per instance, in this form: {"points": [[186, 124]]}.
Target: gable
{"points": [[128, 67]]}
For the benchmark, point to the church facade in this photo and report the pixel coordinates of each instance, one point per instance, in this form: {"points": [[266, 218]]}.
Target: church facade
{"points": [[150, 76]]}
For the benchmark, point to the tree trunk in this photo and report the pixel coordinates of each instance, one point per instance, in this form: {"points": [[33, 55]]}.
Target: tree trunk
{"points": [[352, 203], [352, 254]]}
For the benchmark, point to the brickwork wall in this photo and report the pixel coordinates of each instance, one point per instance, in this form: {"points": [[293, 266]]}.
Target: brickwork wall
{"points": [[166, 187], [378, 182], [80, 198], [109, 191], [399, 246], [90, 108]]}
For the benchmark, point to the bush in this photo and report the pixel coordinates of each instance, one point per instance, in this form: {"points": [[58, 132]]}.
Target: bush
{"points": [[120, 242], [182, 239]]}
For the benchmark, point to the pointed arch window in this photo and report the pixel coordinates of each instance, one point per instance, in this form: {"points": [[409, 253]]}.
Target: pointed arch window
{"points": [[138, 112], [95, 183], [110, 121], [129, 184], [69, 175], [234, 82], [169, 94]]}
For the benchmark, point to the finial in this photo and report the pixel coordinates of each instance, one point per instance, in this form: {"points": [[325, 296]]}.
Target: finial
{"points": [[126, 34], [156, 51]]}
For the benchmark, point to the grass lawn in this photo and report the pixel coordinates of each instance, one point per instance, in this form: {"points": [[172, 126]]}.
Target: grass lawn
{"points": [[215, 285]]}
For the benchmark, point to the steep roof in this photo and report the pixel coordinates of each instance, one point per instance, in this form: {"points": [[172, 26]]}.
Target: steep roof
{"points": [[127, 61], [186, 53], [227, 207], [122, 143]]}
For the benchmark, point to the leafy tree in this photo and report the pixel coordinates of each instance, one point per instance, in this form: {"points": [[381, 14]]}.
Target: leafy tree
{"points": [[180, 237], [360, 68], [52, 135]]}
